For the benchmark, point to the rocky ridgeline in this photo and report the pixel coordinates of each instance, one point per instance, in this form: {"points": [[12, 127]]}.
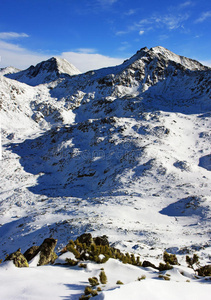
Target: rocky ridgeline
{"points": [[87, 248]]}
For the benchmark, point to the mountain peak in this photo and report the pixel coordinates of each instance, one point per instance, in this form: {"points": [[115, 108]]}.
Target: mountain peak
{"points": [[8, 70], [54, 64], [160, 52], [63, 66], [45, 71], [188, 63]]}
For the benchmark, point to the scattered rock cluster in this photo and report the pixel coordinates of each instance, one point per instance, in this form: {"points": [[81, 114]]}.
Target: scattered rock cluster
{"points": [[45, 251], [88, 248]]}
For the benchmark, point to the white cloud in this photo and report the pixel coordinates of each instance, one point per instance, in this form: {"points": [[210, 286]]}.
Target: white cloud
{"points": [[122, 32], [95, 7], [86, 50], [12, 35], [173, 22], [180, 7], [185, 4], [203, 17], [16, 56], [125, 46], [163, 37], [105, 2], [89, 61], [169, 21], [10, 47], [206, 63], [130, 12]]}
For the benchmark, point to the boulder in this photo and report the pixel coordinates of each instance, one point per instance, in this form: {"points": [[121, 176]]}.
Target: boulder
{"points": [[18, 259], [204, 271], [85, 238], [31, 252], [101, 241], [147, 264], [46, 250], [47, 254]]}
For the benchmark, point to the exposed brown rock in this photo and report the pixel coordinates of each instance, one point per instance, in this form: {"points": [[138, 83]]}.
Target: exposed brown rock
{"points": [[31, 252], [47, 254], [101, 241], [85, 238], [18, 259]]}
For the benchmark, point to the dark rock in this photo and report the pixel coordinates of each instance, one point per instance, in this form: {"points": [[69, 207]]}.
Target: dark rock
{"points": [[46, 249], [85, 238], [18, 259], [31, 252], [85, 297], [204, 271], [147, 264], [101, 241], [47, 254]]}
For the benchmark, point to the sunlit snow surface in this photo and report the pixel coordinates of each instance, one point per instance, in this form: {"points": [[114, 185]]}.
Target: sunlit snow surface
{"points": [[122, 151], [63, 282]]}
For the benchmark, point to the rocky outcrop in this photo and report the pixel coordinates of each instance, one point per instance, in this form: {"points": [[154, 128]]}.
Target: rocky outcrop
{"points": [[18, 259], [85, 238], [31, 252], [204, 271], [47, 254], [89, 240], [45, 250], [101, 241]]}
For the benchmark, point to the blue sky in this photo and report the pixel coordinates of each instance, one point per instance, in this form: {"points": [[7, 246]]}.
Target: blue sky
{"points": [[96, 33]]}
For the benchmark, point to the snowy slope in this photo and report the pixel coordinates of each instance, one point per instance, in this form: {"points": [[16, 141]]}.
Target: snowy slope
{"points": [[8, 70], [122, 151], [25, 108], [60, 281]]}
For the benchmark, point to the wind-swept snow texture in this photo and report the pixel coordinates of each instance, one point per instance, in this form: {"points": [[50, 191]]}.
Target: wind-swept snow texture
{"points": [[122, 151]]}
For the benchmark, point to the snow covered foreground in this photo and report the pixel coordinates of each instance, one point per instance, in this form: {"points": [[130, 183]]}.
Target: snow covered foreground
{"points": [[62, 282], [122, 151]]}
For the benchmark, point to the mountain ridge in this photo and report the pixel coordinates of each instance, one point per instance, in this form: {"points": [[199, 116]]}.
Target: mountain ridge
{"points": [[62, 66]]}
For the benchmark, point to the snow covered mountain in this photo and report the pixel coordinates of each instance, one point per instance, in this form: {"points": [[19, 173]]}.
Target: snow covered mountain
{"points": [[122, 151], [45, 71], [8, 70]]}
